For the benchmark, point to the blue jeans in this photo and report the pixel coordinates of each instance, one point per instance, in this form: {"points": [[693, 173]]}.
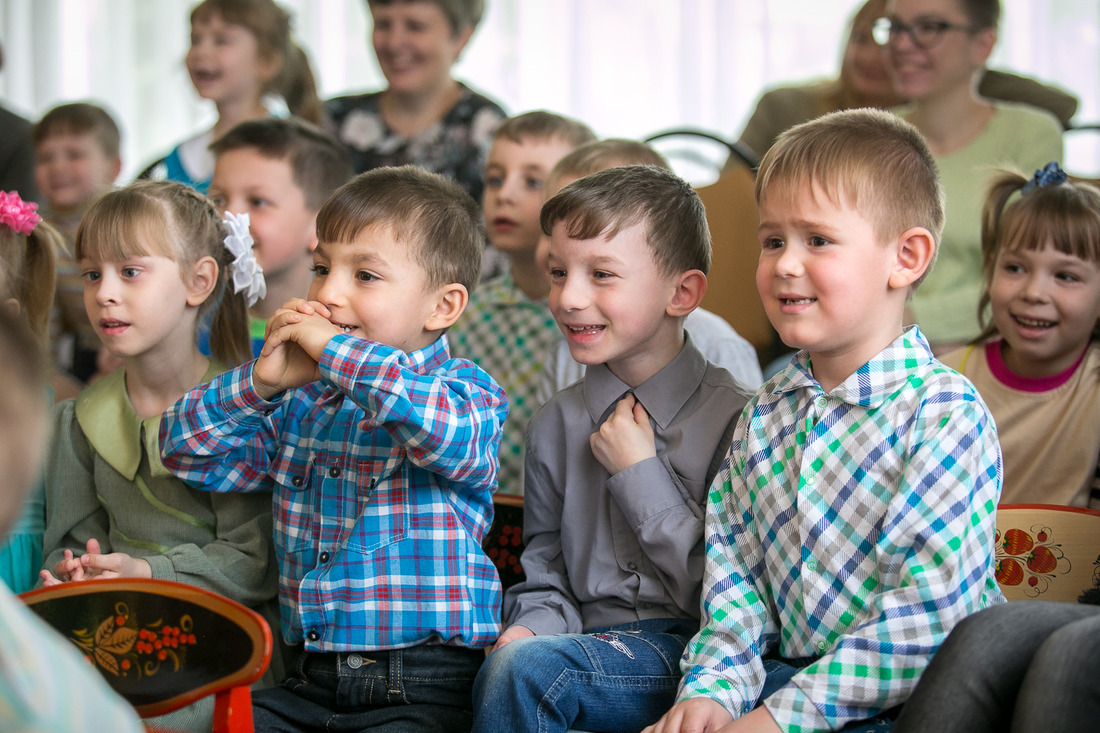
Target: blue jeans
{"points": [[779, 672], [620, 678], [425, 688], [1020, 666]]}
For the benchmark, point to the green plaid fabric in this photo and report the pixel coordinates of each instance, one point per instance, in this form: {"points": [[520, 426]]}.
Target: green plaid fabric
{"points": [[508, 335], [855, 528]]}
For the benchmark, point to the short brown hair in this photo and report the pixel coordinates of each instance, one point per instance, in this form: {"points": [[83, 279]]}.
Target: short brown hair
{"points": [[461, 14], [80, 118], [875, 160], [319, 164], [543, 125], [614, 199], [432, 215]]}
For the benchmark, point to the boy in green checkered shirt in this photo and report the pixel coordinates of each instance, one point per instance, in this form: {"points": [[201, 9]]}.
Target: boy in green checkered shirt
{"points": [[507, 328], [852, 525]]}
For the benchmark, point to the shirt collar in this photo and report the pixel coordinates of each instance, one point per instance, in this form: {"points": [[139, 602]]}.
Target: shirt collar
{"points": [[873, 382], [662, 395], [114, 429]]}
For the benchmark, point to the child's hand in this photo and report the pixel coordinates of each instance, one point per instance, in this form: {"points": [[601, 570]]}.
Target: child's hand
{"points": [[625, 438], [511, 634], [696, 715], [296, 337], [64, 570], [114, 565]]}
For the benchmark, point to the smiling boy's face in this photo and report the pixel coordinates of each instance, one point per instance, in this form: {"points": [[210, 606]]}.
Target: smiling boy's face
{"points": [[375, 289], [610, 300]]}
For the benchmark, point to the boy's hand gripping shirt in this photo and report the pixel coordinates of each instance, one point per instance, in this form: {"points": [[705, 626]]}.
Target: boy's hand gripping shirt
{"points": [[855, 527], [382, 473]]}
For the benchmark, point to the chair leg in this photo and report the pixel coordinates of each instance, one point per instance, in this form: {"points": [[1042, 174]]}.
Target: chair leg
{"points": [[233, 711]]}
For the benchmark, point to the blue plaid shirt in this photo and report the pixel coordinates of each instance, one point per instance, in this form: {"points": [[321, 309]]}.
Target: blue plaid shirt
{"points": [[855, 528], [382, 473]]}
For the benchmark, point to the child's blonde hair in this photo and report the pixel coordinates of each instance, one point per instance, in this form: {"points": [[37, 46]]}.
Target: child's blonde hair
{"points": [[270, 24], [1064, 214], [170, 219], [877, 162], [599, 155], [28, 268]]}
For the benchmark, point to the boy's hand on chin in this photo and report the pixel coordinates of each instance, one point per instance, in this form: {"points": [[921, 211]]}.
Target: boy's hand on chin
{"points": [[625, 438]]}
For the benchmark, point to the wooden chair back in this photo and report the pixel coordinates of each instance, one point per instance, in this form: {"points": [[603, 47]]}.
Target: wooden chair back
{"points": [[163, 645], [504, 542], [1046, 552], [731, 284]]}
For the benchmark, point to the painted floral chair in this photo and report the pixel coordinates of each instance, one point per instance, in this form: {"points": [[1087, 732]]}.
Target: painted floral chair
{"points": [[1046, 552], [163, 645]]}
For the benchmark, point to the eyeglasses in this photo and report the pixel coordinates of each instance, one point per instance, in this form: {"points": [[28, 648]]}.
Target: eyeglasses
{"points": [[924, 33]]}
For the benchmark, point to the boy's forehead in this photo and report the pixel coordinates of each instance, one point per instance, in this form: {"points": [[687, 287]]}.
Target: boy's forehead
{"points": [[66, 135], [626, 242]]}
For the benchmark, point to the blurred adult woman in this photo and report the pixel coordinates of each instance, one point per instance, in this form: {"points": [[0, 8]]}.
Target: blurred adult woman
{"points": [[936, 51], [423, 117]]}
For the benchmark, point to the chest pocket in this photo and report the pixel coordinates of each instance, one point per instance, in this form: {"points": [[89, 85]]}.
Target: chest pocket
{"points": [[294, 511], [381, 507]]}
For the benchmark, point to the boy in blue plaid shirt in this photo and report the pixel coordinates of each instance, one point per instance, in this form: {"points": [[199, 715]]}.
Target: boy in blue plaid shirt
{"points": [[381, 452], [852, 524]]}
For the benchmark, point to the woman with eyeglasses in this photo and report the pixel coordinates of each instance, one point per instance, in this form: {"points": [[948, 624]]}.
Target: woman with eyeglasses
{"points": [[865, 82], [936, 51]]}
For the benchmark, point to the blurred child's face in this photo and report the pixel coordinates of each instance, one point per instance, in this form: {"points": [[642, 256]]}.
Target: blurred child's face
{"points": [[823, 277], [610, 300], [71, 169], [1045, 305], [224, 62], [282, 225], [140, 305], [415, 45], [554, 183], [375, 289], [514, 177]]}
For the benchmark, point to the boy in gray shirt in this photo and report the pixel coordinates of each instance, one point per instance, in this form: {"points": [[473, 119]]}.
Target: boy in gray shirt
{"points": [[617, 467]]}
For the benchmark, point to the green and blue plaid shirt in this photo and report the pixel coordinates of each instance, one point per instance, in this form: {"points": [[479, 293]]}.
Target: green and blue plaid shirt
{"points": [[854, 528]]}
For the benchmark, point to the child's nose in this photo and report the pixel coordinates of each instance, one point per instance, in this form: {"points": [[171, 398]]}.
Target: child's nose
{"points": [[572, 293], [1035, 287], [788, 263]]}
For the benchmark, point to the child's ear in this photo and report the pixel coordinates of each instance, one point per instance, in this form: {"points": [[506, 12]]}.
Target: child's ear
{"points": [[12, 305], [312, 242], [916, 250], [116, 168], [691, 286], [204, 277], [451, 302]]}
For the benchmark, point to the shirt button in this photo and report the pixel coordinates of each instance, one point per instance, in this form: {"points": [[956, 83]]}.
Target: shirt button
{"points": [[296, 481], [822, 402], [811, 565], [313, 635], [325, 557], [810, 480], [632, 565], [822, 646], [355, 661], [334, 471]]}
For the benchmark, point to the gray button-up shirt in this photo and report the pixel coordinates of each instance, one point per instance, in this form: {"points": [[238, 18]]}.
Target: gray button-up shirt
{"points": [[604, 550]]}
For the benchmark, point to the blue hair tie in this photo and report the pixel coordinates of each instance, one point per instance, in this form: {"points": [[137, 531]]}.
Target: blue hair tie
{"points": [[1049, 175]]}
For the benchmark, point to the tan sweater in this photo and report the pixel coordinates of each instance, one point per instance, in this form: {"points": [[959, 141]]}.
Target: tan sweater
{"points": [[1050, 439]]}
